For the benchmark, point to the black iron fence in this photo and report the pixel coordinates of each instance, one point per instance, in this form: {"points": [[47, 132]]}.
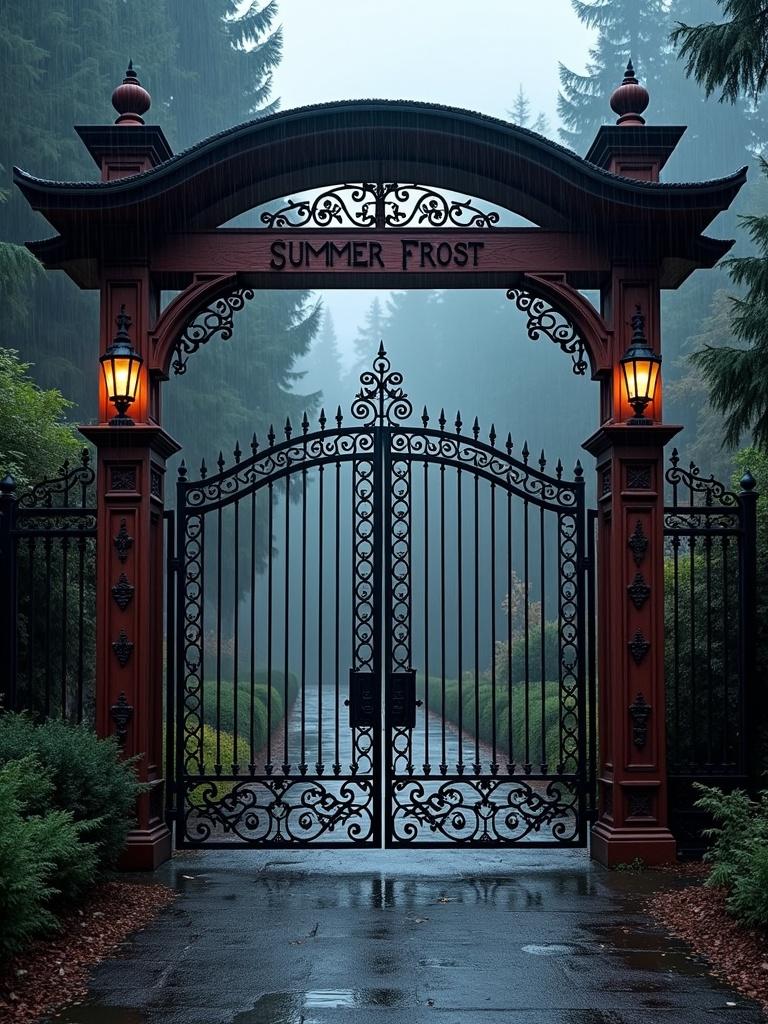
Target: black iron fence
{"points": [[710, 592], [48, 594]]}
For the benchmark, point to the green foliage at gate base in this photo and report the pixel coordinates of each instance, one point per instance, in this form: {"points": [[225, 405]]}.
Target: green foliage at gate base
{"points": [[46, 858], [739, 852], [485, 704], [88, 778]]}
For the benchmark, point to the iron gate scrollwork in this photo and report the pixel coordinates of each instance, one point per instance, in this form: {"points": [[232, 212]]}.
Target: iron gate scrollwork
{"points": [[381, 638]]}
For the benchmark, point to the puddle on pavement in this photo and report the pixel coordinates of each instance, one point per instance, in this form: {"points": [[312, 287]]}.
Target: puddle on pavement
{"points": [[297, 1008], [549, 949]]}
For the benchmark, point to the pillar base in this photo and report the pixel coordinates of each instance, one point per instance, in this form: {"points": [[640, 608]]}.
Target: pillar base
{"points": [[145, 849], [611, 846]]}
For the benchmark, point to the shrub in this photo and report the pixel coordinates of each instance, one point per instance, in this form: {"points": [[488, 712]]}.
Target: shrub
{"points": [[88, 777], [739, 853], [44, 860]]}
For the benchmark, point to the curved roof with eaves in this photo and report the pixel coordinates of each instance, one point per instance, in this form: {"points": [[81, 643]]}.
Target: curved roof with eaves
{"points": [[375, 140]]}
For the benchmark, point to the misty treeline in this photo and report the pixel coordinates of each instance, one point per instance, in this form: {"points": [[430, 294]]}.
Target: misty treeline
{"points": [[208, 64]]}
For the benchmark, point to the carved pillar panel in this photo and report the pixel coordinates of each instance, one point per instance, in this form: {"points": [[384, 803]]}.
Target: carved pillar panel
{"points": [[130, 671], [632, 772]]}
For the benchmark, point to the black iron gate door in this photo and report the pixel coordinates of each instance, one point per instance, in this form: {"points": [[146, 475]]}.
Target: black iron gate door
{"points": [[380, 638]]}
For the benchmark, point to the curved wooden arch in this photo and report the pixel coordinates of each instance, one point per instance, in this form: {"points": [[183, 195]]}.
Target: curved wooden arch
{"points": [[377, 140], [215, 300]]}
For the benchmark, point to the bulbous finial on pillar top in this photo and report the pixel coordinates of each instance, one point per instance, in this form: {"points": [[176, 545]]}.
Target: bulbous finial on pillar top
{"points": [[131, 99], [630, 100]]}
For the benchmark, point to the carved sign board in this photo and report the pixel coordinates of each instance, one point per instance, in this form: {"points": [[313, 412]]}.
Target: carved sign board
{"points": [[386, 253]]}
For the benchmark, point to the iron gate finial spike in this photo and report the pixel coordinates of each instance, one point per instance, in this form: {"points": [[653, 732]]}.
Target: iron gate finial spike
{"points": [[578, 471], [254, 443], [182, 471], [442, 420], [476, 428], [424, 416], [747, 482], [203, 470], [510, 444], [382, 351], [220, 461], [237, 453], [542, 460], [305, 423], [288, 428], [322, 418], [526, 452], [458, 424], [339, 416], [492, 435], [559, 469], [271, 435]]}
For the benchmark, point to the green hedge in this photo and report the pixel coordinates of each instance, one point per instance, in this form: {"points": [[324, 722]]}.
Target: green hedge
{"points": [[66, 805], [551, 716], [87, 775], [739, 853]]}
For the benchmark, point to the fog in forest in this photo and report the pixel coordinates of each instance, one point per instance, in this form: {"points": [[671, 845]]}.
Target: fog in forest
{"points": [[210, 64]]}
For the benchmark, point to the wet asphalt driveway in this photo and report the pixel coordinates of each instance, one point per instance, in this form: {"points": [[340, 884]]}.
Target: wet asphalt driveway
{"points": [[527, 937]]}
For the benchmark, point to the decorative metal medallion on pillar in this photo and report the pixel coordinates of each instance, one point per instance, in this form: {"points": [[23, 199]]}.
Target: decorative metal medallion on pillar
{"points": [[605, 222]]}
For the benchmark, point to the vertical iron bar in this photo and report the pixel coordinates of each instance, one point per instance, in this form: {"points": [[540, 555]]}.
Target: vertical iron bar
{"points": [[286, 621], [252, 659], [725, 584], [64, 623], [236, 643], [31, 623], [336, 610], [510, 716], [320, 600], [710, 675], [476, 529], [677, 747], [494, 765], [303, 661], [81, 544], [427, 766], [693, 698], [218, 637], [9, 589], [270, 614], [542, 635], [444, 758], [460, 625], [47, 643], [753, 700], [526, 639]]}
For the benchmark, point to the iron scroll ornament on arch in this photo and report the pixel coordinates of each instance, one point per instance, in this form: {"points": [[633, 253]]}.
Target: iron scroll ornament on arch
{"points": [[542, 318]]}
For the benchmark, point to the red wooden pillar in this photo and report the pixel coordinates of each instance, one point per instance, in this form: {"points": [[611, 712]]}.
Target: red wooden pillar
{"points": [[131, 487], [632, 772]]}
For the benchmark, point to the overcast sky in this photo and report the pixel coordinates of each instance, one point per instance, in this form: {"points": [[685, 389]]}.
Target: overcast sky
{"points": [[472, 55]]}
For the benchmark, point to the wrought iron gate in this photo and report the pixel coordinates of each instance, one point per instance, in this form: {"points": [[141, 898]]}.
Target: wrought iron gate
{"points": [[381, 638]]}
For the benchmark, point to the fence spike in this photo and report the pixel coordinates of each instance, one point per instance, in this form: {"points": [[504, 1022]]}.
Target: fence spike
{"points": [[492, 435], [254, 443], [288, 428], [182, 470], [220, 461], [542, 460], [509, 444], [271, 435], [305, 423], [578, 471], [203, 470], [457, 423], [424, 416], [442, 420], [339, 417], [559, 470], [526, 452], [237, 453], [322, 419], [475, 428]]}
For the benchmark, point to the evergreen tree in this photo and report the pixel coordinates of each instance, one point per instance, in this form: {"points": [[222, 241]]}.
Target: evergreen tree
{"points": [[625, 29], [520, 113], [730, 55], [369, 336], [322, 367]]}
